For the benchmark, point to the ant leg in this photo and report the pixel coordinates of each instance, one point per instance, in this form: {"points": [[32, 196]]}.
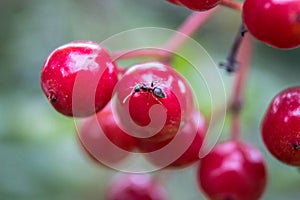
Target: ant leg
{"points": [[157, 99], [127, 97]]}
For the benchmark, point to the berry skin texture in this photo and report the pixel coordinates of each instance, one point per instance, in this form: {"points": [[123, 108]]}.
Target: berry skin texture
{"points": [[232, 170], [199, 5], [152, 100], [78, 78], [274, 22], [135, 187], [281, 126], [185, 147]]}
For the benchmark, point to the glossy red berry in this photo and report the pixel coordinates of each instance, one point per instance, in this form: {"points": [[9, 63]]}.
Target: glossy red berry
{"points": [[184, 149], [103, 140], [78, 78], [199, 5], [281, 126], [135, 187], [274, 22], [233, 170], [152, 100]]}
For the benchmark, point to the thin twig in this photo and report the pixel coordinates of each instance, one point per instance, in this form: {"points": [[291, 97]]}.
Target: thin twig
{"points": [[232, 4]]}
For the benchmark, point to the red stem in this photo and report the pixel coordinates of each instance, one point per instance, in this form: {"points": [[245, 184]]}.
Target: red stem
{"points": [[232, 4], [188, 28], [237, 99]]}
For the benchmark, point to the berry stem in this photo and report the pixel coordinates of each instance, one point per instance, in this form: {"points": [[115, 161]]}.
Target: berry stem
{"points": [[237, 99], [188, 28], [232, 4]]}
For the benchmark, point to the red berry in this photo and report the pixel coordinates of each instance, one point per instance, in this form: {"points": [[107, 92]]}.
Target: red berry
{"points": [[78, 78], [103, 140], [135, 187], [274, 22], [233, 170], [185, 147], [152, 100], [281, 126]]}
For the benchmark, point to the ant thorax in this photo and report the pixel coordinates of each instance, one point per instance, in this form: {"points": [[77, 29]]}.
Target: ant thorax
{"points": [[152, 88]]}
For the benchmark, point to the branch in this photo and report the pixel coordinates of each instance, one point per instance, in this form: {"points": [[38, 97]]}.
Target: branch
{"points": [[232, 4]]}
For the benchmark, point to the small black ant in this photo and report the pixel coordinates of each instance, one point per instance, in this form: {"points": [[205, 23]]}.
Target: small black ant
{"points": [[142, 87]]}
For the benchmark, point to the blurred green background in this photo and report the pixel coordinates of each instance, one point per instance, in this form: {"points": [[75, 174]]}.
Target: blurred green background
{"points": [[39, 155]]}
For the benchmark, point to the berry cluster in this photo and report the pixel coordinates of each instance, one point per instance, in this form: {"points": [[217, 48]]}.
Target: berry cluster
{"points": [[148, 108], [129, 121], [80, 79]]}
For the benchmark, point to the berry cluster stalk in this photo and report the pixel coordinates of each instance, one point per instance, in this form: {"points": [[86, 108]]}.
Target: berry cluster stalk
{"points": [[188, 28], [232, 4]]}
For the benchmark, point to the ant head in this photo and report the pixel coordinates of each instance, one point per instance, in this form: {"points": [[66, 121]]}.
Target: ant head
{"points": [[137, 88]]}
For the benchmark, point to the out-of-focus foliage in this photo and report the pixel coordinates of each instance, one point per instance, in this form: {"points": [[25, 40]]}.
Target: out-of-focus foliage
{"points": [[39, 155]]}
